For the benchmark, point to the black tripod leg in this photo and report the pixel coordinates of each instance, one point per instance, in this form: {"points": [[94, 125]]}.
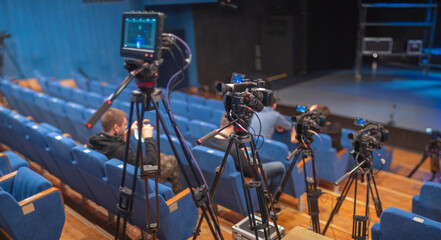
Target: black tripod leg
{"points": [[287, 176], [340, 200], [313, 195], [219, 172], [200, 198], [376, 198], [426, 154]]}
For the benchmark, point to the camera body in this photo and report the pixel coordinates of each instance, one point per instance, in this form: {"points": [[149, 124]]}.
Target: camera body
{"points": [[243, 96], [307, 123], [372, 136]]}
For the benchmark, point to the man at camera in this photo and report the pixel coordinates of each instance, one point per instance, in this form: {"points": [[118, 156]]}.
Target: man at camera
{"points": [[333, 129], [112, 141], [270, 121]]}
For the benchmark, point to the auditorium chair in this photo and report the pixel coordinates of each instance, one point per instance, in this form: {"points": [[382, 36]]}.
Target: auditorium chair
{"points": [[10, 162], [54, 89], [30, 207], [229, 192], [42, 80], [17, 137], [330, 164], [177, 214], [199, 112], [216, 116], [96, 87], [427, 203], [272, 150], [108, 89], [195, 99], [76, 117], [94, 99], [385, 152], [90, 164], [178, 96], [58, 109], [399, 224], [37, 137], [179, 107], [41, 101], [215, 104], [198, 129], [80, 81], [182, 122], [61, 150]]}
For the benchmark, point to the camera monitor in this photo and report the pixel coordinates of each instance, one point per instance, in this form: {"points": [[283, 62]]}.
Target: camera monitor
{"points": [[141, 35]]}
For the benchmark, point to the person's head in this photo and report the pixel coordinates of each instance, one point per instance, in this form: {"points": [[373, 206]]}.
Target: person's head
{"points": [[324, 110], [114, 122]]}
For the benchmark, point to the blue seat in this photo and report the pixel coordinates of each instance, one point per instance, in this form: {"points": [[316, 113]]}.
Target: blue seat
{"points": [[30, 207], [80, 97], [41, 101], [195, 99], [178, 96], [18, 134], [330, 164], [427, 203], [272, 150], [94, 100], [179, 107], [229, 192], [42, 80], [182, 122], [215, 104], [199, 112], [37, 137], [91, 167], [96, 87], [81, 81], [66, 92], [57, 109], [167, 149], [76, 117], [216, 116], [29, 99], [16, 96], [399, 224], [109, 89], [198, 129], [178, 215], [10, 162], [385, 152], [54, 89], [97, 127], [61, 150]]}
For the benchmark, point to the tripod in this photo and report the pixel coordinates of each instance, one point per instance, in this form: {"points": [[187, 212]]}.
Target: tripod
{"points": [[362, 170], [146, 97], [432, 151], [312, 192], [240, 137]]}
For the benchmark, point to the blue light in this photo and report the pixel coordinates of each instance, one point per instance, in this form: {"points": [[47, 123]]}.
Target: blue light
{"points": [[360, 122], [301, 108]]}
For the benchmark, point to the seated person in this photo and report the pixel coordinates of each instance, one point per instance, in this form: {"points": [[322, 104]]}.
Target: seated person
{"points": [[112, 141], [275, 171], [333, 129], [270, 121]]}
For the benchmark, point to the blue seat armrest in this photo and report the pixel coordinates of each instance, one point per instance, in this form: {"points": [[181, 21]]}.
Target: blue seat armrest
{"points": [[375, 230], [415, 203], [7, 180]]}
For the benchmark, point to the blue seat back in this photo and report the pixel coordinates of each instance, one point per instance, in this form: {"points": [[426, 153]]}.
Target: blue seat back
{"points": [[427, 203], [198, 129], [195, 99], [199, 112], [179, 107]]}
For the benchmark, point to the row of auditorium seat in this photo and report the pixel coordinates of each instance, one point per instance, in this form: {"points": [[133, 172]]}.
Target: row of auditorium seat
{"points": [[30, 207], [424, 222], [94, 176], [295, 186]]}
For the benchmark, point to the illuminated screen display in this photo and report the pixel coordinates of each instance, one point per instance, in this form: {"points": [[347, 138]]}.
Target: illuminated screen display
{"points": [[139, 33]]}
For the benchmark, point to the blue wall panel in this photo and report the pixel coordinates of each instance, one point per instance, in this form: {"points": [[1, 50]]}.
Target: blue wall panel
{"points": [[57, 36]]}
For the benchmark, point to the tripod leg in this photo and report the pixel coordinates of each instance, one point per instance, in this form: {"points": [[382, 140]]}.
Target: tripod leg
{"points": [[359, 225], [339, 202], [426, 154], [287, 176], [376, 198]]}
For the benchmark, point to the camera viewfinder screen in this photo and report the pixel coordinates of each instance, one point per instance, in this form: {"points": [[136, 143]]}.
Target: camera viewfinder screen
{"points": [[139, 33], [301, 108], [360, 122], [237, 78]]}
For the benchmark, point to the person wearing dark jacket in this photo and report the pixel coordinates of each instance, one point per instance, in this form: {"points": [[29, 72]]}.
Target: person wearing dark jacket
{"points": [[111, 142]]}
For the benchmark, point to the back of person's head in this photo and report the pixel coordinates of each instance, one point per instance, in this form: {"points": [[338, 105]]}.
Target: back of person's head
{"points": [[324, 110], [111, 117]]}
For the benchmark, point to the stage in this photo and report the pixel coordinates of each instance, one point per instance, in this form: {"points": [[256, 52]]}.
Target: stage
{"points": [[401, 99]]}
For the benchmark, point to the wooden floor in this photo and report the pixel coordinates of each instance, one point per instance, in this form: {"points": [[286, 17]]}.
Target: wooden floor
{"points": [[86, 220]]}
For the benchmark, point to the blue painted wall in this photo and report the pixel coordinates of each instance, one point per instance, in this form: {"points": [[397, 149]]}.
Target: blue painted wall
{"points": [[58, 36]]}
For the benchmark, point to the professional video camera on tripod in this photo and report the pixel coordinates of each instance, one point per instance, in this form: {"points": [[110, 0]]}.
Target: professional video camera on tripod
{"points": [[143, 41], [432, 151], [242, 98], [365, 141], [307, 123]]}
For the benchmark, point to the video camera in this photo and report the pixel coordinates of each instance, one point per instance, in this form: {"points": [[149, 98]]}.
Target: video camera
{"points": [[436, 135], [244, 96], [372, 136], [307, 123]]}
